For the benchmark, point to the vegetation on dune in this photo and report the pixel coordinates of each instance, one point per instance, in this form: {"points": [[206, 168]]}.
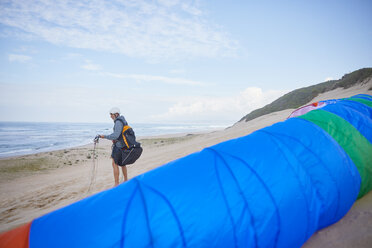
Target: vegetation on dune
{"points": [[299, 97], [13, 168]]}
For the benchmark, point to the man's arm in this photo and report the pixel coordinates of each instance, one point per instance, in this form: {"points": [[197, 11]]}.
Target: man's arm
{"points": [[117, 132]]}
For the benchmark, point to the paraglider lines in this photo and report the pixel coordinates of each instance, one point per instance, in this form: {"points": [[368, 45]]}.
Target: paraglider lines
{"points": [[324, 166], [240, 192], [125, 217], [277, 141], [225, 199], [267, 190], [146, 212], [172, 210]]}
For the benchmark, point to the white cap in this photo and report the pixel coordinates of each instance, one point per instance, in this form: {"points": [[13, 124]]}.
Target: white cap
{"points": [[115, 110]]}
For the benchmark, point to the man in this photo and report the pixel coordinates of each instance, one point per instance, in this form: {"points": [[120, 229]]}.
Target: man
{"points": [[125, 148]]}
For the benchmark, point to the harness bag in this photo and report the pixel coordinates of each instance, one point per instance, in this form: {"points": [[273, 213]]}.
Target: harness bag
{"points": [[128, 137]]}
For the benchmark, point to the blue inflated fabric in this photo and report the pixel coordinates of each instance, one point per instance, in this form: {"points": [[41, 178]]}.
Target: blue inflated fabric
{"points": [[273, 188], [357, 114], [363, 96]]}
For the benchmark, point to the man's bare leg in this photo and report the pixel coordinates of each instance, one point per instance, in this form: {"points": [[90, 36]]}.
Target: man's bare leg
{"points": [[125, 173], [115, 168]]}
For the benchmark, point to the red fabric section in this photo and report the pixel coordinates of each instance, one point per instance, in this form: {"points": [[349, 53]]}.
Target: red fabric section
{"points": [[16, 238]]}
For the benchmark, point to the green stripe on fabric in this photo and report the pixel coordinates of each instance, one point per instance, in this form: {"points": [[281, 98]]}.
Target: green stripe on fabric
{"points": [[364, 101], [366, 95], [350, 139]]}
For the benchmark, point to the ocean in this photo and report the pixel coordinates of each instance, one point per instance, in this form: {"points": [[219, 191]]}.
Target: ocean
{"points": [[22, 138]]}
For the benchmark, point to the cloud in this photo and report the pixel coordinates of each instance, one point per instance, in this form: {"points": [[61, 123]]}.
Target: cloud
{"points": [[219, 108], [78, 103], [328, 79], [155, 30], [72, 56], [177, 71], [26, 49], [162, 79], [19, 58], [64, 103], [91, 67]]}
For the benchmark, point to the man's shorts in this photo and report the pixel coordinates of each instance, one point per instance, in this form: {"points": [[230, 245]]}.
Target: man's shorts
{"points": [[123, 157]]}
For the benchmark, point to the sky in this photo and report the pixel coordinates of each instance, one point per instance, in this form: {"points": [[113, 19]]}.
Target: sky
{"points": [[170, 61]]}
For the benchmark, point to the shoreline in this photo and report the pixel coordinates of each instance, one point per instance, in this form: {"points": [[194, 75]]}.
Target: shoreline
{"points": [[139, 139], [13, 163], [83, 144]]}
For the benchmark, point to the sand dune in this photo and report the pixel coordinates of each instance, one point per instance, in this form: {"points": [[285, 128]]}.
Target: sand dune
{"points": [[59, 178]]}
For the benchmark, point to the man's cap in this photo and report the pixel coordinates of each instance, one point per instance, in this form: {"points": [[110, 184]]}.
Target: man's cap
{"points": [[115, 110]]}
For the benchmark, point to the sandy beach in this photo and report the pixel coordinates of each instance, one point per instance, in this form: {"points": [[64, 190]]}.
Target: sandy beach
{"points": [[33, 185]]}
